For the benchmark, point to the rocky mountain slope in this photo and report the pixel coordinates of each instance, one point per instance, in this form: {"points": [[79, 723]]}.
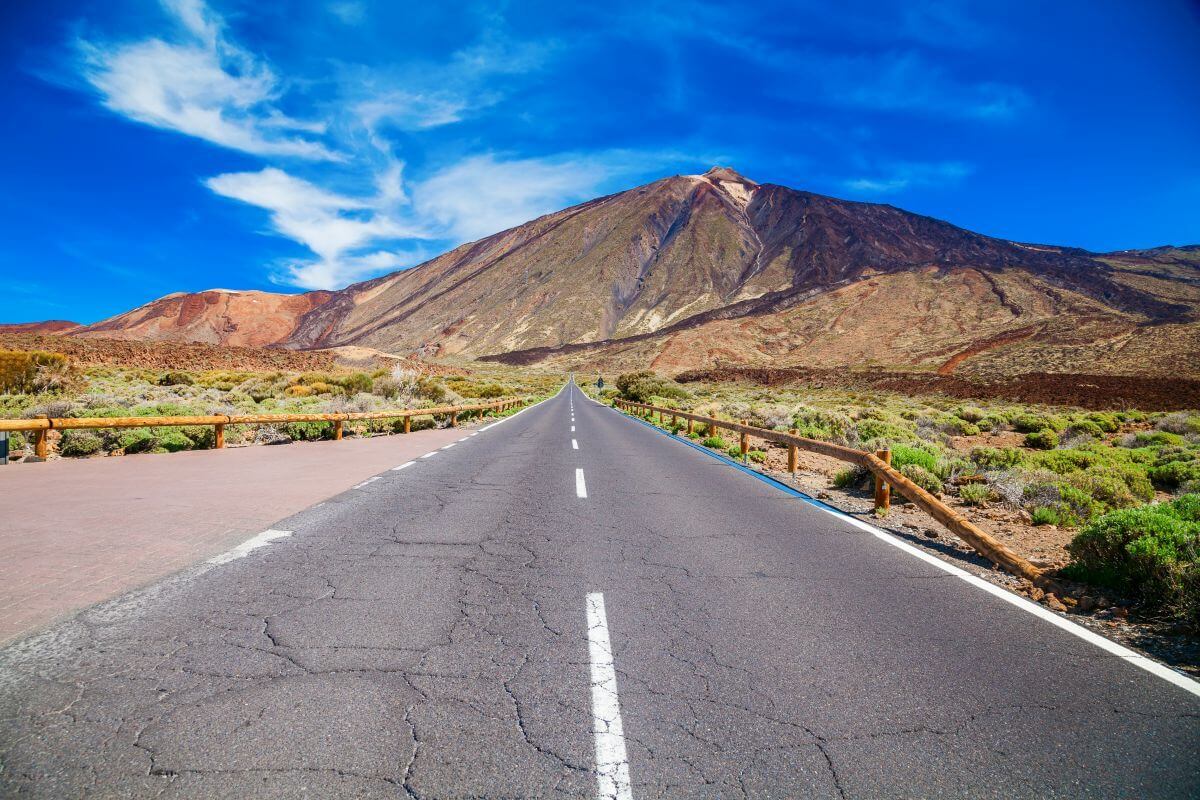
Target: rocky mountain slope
{"points": [[694, 271], [215, 316]]}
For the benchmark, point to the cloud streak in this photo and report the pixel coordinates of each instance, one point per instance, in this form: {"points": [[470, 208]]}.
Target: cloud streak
{"points": [[201, 85]]}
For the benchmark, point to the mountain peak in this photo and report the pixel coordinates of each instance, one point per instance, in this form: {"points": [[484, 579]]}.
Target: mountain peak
{"points": [[719, 173]]}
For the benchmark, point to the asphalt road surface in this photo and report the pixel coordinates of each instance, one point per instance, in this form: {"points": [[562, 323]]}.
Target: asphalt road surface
{"points": [[571, 604]]}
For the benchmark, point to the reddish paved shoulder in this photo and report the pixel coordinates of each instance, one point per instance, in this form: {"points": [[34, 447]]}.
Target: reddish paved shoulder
{"points": [[77, 532]]}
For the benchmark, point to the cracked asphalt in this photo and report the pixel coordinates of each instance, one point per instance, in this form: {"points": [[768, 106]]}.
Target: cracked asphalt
{"points": [[425, 636]]}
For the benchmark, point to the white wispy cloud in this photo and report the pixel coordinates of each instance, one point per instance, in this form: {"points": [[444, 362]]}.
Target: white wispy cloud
{"points": [[897, 176], [350, 12], [481, 195], [202, 85], [335, 227]]}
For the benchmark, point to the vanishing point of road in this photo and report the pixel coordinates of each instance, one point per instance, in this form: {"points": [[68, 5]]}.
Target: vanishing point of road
{"points": [[571, 604]]}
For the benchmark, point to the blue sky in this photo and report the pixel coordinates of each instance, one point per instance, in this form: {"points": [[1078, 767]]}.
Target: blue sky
{"points": [[151, 147]]}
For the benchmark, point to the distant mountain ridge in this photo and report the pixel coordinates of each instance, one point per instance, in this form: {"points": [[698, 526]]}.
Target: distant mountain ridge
{"points": [[694, 271]]}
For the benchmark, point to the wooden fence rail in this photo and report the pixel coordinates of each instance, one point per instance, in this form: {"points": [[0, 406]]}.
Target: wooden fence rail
{"points": [[40, 426], [879, 464]]}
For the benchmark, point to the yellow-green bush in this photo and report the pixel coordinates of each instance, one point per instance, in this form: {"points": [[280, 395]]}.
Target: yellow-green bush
{"points": [[33, 371]]}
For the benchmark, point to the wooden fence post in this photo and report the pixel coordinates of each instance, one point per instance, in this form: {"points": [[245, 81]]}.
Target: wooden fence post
{"points": [[219, 438], [408, 423], [40, 447], [883, 489], [792, 453], [690, 427], [337, 430], [745, 440], [453, 419]]}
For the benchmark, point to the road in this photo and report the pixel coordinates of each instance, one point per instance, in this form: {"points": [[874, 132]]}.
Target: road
{"points": [[77, 531], [571, 604]]}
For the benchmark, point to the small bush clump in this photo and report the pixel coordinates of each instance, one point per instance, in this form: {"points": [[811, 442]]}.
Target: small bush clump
{"points": [[1044, 439], [922, 477], [1152, 553], [75, 444], [976, 494]]}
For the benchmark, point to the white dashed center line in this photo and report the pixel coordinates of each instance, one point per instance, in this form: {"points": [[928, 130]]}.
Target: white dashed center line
{"points": [[580, 485], [574, 445], [572, 429], [612, 764], [243, 549]]}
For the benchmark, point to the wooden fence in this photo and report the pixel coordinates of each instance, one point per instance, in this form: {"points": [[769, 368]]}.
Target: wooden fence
{"points": [[40, 426], [878, 463]]}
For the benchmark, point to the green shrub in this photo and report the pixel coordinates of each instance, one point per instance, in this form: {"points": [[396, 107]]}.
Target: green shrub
{"points": [[1044, 439], [757, 456], [36, 371], [869, 429], [308, 431], [715, 442], [356, 382], [959, 427], [1072, 506], [976, 494], [1046, 515], [970, 413], [642, 387], [904, 455], [136, 440], [734, 452], [1152, 552], [997, 457], [922, 477], [176, 379], [75, 444], [816, 424], [203, 437], [1085, 427], [850, 477], [1108, 423], [174, 440], [1174, 473]]}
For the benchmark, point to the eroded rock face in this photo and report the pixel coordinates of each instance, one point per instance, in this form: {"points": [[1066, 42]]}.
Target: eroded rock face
{"points": [[216, 316], [697, 270]]}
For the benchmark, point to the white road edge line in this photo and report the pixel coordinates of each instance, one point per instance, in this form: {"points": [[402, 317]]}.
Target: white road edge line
{"points": [[1124, 653], [612, 763], [430, 455], [580, 486], [574, 445], [405, 465], [1109, 646], [372, 479], [243, 549], [447, 447]]}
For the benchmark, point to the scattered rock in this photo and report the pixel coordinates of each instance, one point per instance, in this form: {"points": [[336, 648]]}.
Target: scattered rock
{"points": [[1086, 603], [1037, 594], [1054, 603], [931, 533]]}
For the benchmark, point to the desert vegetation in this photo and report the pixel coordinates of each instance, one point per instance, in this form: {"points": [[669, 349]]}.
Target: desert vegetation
{"points": [[1124, 485], [36, 383]]}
